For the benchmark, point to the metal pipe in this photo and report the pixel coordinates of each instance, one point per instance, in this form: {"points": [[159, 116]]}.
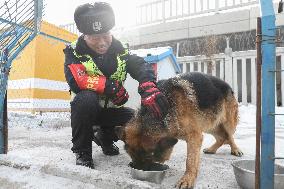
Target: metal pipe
{"points": [[5, 126], [38, 14], [21, 19], [268, 94], [3, 77], [9, 32], [12, 39], [258, 102]]}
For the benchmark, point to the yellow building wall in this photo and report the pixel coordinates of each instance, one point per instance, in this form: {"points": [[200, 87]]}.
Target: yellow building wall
{"points": [[49, 52], [43, 58], [23, 66]]}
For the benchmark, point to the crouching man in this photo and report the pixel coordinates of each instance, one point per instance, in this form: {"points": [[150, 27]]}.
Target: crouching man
{"points": [[95, 69]]}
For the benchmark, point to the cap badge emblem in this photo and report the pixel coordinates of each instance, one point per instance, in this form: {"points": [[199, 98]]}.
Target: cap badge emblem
{"points": [[97, 26]]}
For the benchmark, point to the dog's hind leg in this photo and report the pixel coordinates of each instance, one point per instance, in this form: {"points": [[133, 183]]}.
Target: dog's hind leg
{"points": [[212, 149], [229, 128], [194, 142], [234, 148], [220, 136]]}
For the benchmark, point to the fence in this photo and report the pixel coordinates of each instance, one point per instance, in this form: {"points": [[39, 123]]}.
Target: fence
{"points": [[167, 10], [238, 69], [164, 10], [19, 24], [71, 28]]}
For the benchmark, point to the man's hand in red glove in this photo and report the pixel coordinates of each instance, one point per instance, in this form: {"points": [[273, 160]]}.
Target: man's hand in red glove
{"points": [[153, 100], [116, 92], [113, 89]]}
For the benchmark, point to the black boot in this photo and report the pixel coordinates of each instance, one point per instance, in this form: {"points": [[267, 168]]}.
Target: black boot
{"points": [[84, 159], [108, 148]]}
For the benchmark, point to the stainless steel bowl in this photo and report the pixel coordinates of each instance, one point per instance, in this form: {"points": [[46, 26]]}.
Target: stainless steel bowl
{"points": [[155, 176], [245, 174]]}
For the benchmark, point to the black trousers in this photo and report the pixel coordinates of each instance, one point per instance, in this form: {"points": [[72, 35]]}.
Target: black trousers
{"points": [[87, 112]]}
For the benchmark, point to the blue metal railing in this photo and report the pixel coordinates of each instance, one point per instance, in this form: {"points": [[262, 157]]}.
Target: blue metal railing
{"points": [[19, 24], [268, 94]]}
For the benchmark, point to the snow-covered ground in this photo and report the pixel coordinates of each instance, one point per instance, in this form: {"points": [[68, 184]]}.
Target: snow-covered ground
{"points": [[40, 157]]}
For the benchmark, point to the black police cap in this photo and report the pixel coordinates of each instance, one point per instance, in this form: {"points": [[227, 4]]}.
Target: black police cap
{"points": [[94, 18]]}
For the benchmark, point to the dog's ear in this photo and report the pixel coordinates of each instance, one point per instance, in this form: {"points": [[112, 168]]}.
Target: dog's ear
{"points": [[167, 142], [120, 132]]}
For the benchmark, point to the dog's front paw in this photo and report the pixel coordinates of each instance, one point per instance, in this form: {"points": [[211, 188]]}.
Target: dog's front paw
{"points": [[237, 152], [186, 182]]}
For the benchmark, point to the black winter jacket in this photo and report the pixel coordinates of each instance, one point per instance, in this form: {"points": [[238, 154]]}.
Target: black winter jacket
{"points": [[107, 63]]}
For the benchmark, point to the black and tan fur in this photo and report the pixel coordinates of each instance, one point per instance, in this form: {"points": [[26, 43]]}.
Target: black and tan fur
{"points": [[198, 103]]}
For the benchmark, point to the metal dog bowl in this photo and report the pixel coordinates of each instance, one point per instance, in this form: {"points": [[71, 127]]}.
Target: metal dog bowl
{"points": [[245, 174], [155, 175]]}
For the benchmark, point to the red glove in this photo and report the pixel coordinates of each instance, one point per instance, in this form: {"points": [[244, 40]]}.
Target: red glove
{"points": [[116, 92], [153, 100]]}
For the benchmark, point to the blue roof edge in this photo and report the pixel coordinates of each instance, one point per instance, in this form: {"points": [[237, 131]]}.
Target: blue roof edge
{"points": [[156, 58]]}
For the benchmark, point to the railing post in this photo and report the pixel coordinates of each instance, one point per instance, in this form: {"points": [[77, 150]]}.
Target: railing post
{"points": [[235, 78], [184, 68], [171, 8], [228, 64], [146, 15], [199, 66], [195, 6], [214, 67], [201, 5], [258, 104], [191, 65], [244, 82], [216, 5], [253, 80], [268, 95], [3, 86], [163, 11], [205, 67], [282, 79], [222, 65], [177, 51], [38, 4]]}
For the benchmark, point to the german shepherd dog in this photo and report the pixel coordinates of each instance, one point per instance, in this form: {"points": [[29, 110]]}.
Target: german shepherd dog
{"points": [[198, 103]]}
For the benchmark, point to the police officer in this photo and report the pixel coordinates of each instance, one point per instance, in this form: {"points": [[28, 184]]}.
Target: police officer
{"points": [[95, 69]]}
